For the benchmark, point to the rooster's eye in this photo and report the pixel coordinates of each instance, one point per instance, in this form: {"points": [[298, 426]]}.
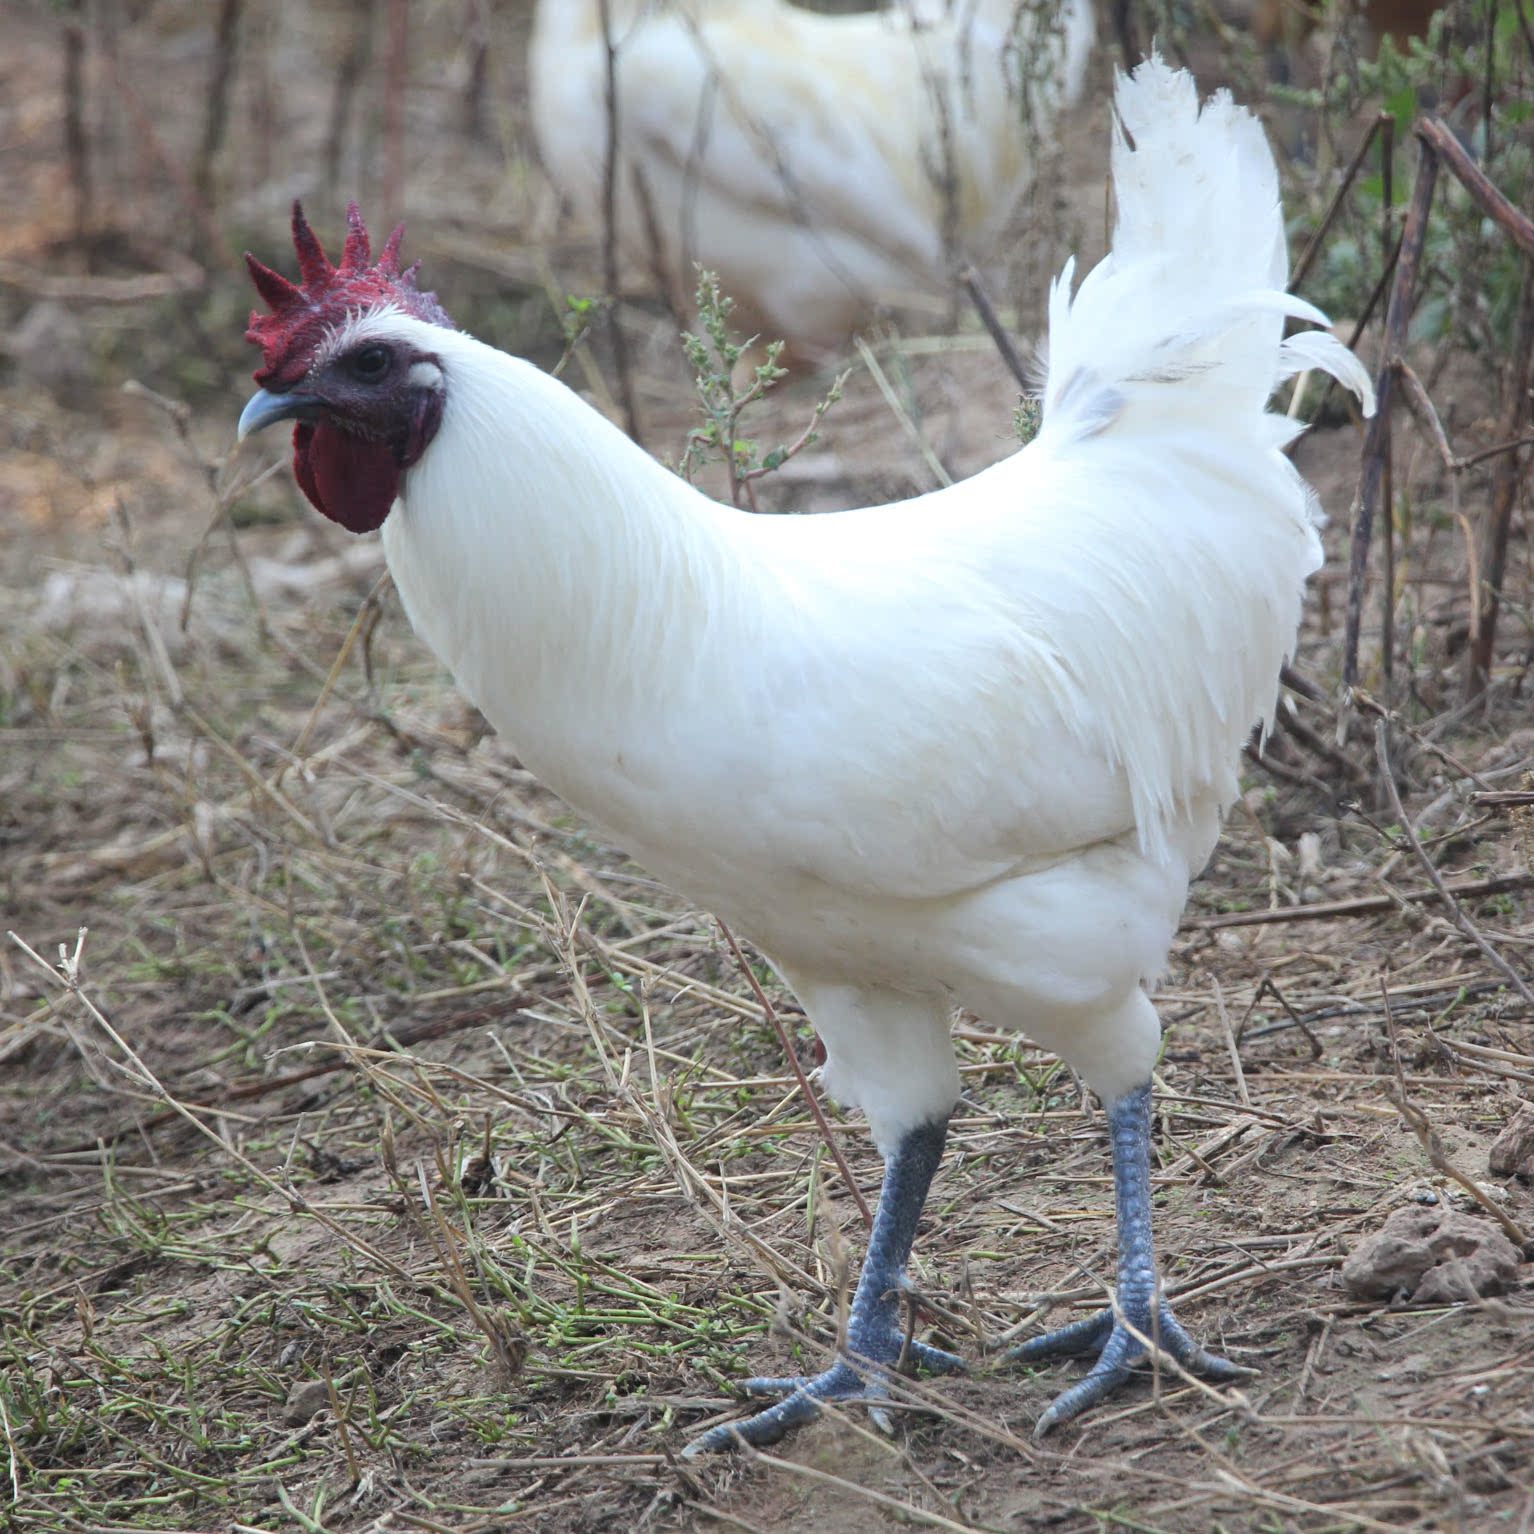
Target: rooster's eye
{"points": [[369, 364]]}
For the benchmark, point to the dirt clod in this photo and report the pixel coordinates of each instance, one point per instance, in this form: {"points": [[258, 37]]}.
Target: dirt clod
{"points": [[1512, 1152], [1433, 1256], [306, 1399]]}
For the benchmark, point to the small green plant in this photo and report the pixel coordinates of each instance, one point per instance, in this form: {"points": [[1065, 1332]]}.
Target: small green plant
{"points": [[1474, 53], [715, 357], [576, 322], [1028, 418]]}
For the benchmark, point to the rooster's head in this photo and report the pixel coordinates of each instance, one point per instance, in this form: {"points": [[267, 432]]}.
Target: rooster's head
{"points": [[365, 393]]}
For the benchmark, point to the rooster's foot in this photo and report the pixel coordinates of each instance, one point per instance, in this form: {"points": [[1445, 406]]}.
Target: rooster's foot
{"points": [[876, 1343], [1140, 1326], [1116, 1339], [804, 1394]]}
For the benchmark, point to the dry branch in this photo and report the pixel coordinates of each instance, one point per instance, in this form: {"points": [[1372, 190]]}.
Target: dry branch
{"points": [[970, 278], [1334, 207], [1397, 317], [805, 1089], [610, 224], [1362, 905], [76, 144], [1518, 227], [347, 76], [1506, 480], [1439, 146], [180, 275], [1421, 1126], [216, 114], [1461, 920], [396, 73], [213, 240]]}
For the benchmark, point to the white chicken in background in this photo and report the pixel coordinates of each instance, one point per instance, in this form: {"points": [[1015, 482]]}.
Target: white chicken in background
{"points": [[964, 750], [822, 166]]}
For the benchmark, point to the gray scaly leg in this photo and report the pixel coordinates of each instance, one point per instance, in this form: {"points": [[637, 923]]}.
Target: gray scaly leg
{"points": [[1112, 1336], [874, 1334]]}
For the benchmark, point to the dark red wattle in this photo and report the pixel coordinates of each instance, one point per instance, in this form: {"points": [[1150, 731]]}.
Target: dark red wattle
{"points": [[347, 478]]}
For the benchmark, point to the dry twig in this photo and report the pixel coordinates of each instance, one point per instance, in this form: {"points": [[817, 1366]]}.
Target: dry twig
{"points": [[1421, 1126], [1445, 894], [805, 1089], [1437, 145], [610, 223], [1403, 294]]}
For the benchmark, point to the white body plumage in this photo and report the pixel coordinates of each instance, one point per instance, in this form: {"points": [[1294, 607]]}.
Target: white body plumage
{"points": [[968, 749], [820, 165]]}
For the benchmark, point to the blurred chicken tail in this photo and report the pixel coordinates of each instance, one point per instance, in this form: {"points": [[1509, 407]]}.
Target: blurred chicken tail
{"points": [[1182, 323]]}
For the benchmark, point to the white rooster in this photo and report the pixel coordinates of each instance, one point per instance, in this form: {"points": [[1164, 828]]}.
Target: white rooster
{"points": [[965, 750], [820, 165]]}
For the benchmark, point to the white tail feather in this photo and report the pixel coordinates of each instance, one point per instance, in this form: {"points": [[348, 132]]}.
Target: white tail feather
{"points": [[1192, 293]]}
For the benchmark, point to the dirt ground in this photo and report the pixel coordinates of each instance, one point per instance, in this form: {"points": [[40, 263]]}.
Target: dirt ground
{"points": [[382, 1150]]}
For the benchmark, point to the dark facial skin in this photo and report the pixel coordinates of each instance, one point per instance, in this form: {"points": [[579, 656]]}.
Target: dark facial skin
{"points": [[362, 422]]}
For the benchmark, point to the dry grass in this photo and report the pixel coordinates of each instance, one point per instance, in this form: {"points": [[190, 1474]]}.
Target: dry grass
{"points": [[392, 1153], [378, 1073]]}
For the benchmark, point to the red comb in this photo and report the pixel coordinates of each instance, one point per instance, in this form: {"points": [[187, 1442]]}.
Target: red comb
{"points": [[302, 314]]}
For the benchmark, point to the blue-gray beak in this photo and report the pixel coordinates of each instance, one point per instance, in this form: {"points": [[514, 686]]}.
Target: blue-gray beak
{"points": [[265, 407]]}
